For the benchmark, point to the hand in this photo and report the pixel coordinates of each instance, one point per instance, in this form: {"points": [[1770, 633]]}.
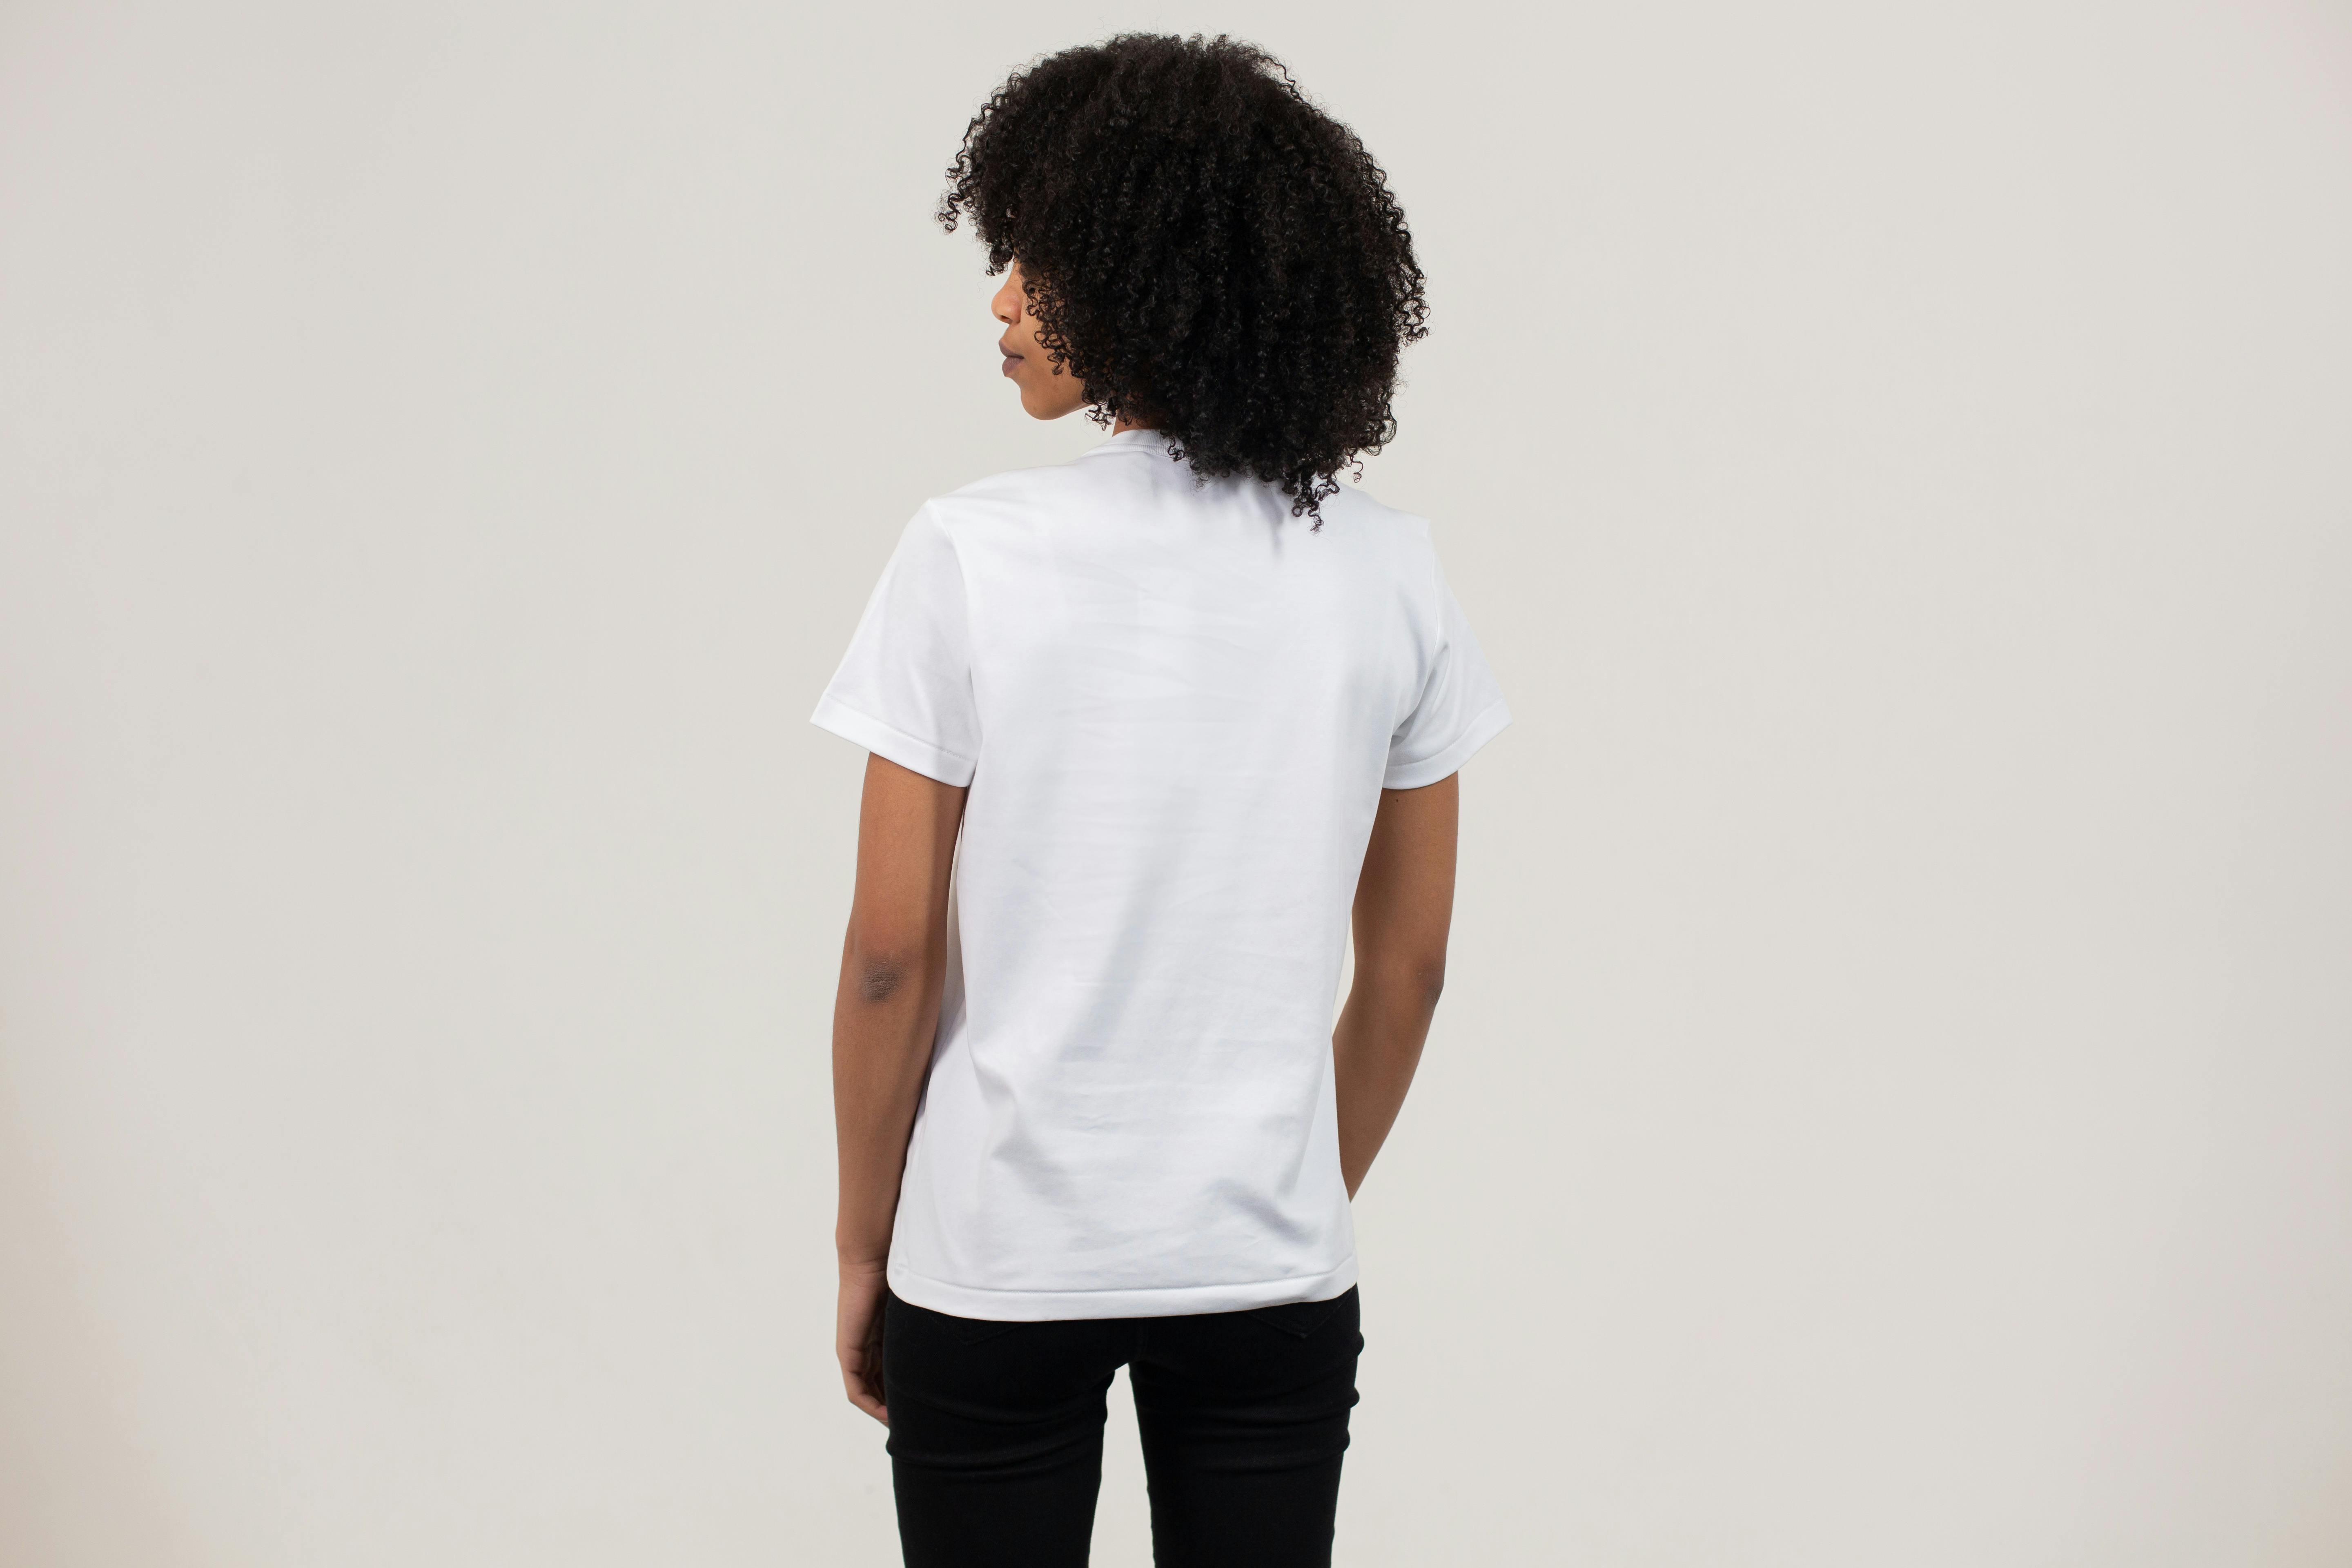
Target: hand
{"points": [[857, 1337]]}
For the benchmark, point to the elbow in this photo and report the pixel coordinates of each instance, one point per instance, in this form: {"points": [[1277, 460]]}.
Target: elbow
{"points": [[886, 966], [880, 977], [1408, 984]]}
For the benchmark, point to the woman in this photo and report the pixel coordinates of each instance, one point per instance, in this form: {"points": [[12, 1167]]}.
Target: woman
{"points": [[1187, 701]]}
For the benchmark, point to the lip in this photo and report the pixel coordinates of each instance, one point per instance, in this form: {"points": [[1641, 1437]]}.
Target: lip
{"points": [[1012, 363], [1011, 358]]}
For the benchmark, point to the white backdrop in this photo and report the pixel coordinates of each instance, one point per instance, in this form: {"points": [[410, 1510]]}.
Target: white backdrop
{"points": [[1892, 1103]]}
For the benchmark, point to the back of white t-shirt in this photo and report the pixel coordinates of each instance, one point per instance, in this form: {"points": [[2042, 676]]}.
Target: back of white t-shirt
{"points": [[1176, 707]]}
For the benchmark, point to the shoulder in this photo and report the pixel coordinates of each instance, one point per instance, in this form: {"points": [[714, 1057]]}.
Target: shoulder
{"points": [[1018, 492], [1398, 539], [1358, 509], [947, 526]]}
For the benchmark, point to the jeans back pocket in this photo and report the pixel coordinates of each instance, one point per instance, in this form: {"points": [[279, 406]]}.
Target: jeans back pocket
{"points": [[1300, 1319], [972, 1331]]}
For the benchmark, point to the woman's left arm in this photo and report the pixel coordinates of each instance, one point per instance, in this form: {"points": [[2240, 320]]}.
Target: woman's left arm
{"points": [[885, 1013]]}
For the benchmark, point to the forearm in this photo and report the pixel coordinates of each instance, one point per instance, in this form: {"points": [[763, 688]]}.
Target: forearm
{"points": [[1374, 1051], [885, 1015]]}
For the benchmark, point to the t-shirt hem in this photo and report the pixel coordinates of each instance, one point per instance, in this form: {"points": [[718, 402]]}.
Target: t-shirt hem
{"points": [[1488, 724], [887, 741], [1157, 1302]]}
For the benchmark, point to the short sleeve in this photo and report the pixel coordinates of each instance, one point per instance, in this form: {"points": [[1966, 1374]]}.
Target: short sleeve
{"points": [[903, 688], [1460, 706]]}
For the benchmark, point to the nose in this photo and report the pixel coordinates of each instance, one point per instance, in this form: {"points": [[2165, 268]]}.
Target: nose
{"points": [[1006, 306]]}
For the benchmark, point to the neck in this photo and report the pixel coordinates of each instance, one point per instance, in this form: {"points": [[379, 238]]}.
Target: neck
{"points": [[1122, 425]]}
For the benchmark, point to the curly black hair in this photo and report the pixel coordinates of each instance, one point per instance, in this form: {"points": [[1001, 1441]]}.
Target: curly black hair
{"points": [[1210, 254]]}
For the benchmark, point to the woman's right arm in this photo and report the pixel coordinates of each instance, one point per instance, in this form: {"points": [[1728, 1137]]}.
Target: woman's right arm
{"points": [[1404, 907], [885, 1013]]}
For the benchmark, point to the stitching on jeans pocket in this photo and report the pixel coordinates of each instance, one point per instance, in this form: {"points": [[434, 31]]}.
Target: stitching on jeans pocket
{"points": [[1296, 1319]]}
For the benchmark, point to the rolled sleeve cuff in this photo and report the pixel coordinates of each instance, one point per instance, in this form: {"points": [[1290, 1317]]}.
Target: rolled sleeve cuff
{"points": [[933, 762], [1429, 770]]}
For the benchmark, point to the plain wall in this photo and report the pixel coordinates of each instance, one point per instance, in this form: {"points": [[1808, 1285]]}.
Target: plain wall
{"points": [[1892, 1103]]}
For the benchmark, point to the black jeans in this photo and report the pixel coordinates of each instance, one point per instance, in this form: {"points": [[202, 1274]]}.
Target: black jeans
{"points": [[996, 1432]]}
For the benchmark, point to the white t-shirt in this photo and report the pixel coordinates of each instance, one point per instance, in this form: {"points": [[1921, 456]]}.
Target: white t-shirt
{"points": [[1176, 708]]}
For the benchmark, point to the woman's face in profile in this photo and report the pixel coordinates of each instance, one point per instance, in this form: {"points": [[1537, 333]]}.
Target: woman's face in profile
{"points": [[1047, 390]]}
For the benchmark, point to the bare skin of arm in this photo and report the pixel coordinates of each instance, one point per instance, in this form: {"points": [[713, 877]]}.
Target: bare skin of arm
{"points": [[1404, 906], [885, 1013]]}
